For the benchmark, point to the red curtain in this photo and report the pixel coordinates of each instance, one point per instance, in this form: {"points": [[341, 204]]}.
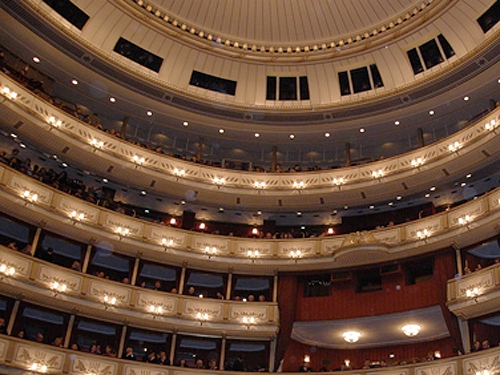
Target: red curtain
{"points": [[287, 294], [319, 356]]}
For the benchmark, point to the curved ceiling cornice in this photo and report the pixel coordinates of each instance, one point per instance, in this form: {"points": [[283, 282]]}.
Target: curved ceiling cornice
{"points": [[461, 69], [231, 42]]}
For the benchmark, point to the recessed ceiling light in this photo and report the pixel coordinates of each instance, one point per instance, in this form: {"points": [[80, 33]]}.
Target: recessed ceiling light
{"points": [[105, 180], [299, 213], [396, 123], [427, 195], [257, 135], [221, 131], [36, 59], [463, 184], [466, 98], [372, 207], [399, 197], [149, 113], [74, 82], [362, 130], [432, 188], [327, 135], [431, 112], [185, 123], [143, 192], [292, 136], [22, 145], [391, 203], [112, 100], [468, 175], [346, 207], [259, 212], [183, 202]]}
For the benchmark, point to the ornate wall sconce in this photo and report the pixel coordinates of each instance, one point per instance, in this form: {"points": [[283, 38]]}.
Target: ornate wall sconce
{"points": [[210, 251], [201, 318], [295, 255]]}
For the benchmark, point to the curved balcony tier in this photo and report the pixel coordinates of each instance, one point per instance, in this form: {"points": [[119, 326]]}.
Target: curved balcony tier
{"points": [[468, 150], [40, 205]]}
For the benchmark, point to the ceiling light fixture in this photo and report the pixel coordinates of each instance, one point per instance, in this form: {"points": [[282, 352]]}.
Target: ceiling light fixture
{"points": [[327, 135], [185, 123], [149, 113], [292, 136], [396, 123], [257, 135], [362, 130], [431, 112], [74, 82], [112, 100], [411, 330], [36, 59], [351, 336], [221, 131]]}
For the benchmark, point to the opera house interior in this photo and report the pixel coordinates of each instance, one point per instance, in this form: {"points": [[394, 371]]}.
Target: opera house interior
{"points": [[252, 186]]}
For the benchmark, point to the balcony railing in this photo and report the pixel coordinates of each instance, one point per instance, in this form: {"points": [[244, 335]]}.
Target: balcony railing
{"points": [[461, 226], [475, 294], [40, 358], [54, 286]]}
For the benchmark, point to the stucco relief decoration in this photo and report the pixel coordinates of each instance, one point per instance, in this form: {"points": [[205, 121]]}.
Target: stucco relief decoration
{"points": [[359, 238], [389, 236], [480, 282], [158, 234], [44, 196], [305, 248], [258, 312], [85, 366], [3, 348], [114, 222], [21, 266], [136, 370], [213, 310], [201, 243], [330, 245], [264, 249], [49, 275], [429, 226], [483, 366], [461, 217], [72, 205], [167, 305], [101, 290], [29, 357], [437, 370]]}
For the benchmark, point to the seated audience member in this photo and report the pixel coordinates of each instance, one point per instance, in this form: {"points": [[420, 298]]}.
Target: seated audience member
{"points": [[126, 280], [129, 354], [306, 367], [199, 364], [191, 291], [74, 346], [157, 285], [219, 295], [58, 341], [152, 358], [212, 364], [238, 364], [13, 246], [39, 337], [95, 349], [109, 352], [164, 360], [76, 266], [21, 334], [182, 363], [3, 328], [262, 298], [174, 291], [485, 344], [251, 298]]}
